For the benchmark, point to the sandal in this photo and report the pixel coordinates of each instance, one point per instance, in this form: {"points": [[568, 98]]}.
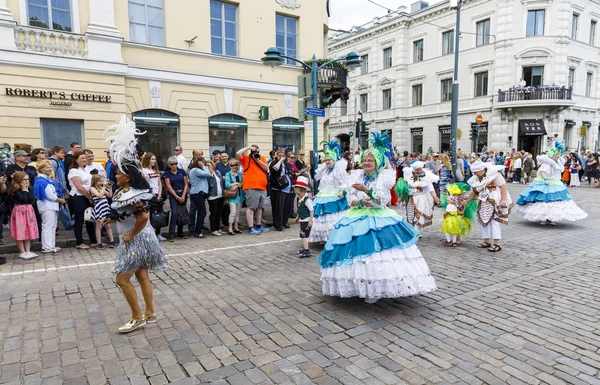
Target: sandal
{"points": [[231, 232], [485, 245], [83, 246], [494, 248], [238, 231]]}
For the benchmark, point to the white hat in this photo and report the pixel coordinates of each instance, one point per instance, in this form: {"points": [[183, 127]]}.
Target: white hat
{"points": [[301, 181], [418, 164], [478, 166]]}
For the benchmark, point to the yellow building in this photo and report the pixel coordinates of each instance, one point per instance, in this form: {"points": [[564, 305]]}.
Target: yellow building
{"points": [[187, 71]]}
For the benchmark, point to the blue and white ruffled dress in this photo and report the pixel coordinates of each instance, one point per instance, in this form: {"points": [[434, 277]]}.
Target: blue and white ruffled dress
{"points": [[548, 199], [143, 251], [328, 205], [372, 252]]}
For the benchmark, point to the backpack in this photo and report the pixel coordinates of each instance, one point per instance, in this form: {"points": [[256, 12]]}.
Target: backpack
{"points": [[500, 160]]}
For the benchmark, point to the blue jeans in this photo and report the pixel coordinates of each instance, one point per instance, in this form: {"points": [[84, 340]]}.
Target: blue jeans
{"points": [[173, 222], [193, 214], [199, 201], [65, 217]]}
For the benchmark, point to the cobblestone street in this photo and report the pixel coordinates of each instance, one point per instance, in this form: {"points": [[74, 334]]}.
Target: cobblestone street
{"points": [[246, 310]]}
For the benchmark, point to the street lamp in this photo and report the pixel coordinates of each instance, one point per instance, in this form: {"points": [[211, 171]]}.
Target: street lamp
{"points": [[274, 58], [454, 114]]}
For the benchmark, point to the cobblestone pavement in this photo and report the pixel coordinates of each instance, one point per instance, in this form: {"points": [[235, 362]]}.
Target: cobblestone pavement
{"points": [[245, 310]]}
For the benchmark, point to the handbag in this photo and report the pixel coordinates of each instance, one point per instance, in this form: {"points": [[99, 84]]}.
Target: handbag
{"points": [[183, 216], [159, 219], [88, 215], [230, 192]]}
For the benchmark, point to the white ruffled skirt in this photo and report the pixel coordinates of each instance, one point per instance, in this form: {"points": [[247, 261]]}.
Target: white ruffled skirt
{"points": [[323, 226], [551, 211]]}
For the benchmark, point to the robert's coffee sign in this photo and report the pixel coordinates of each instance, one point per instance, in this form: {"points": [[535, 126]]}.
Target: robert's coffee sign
{"points": [[58, 98]]}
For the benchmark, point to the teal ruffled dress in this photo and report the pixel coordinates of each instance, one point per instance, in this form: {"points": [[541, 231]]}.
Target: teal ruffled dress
{"points": [[372, 253]]}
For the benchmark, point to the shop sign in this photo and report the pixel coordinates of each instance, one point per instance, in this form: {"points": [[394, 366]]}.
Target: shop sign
{"points": [[416, 132], [445, 130], [57, 98]]}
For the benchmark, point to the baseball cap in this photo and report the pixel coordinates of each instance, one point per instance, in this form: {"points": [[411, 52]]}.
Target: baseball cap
{"points": [[21, 153]]}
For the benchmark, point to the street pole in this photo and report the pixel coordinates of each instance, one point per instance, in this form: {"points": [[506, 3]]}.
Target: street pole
{"points": [[454, 115], [314, 75]]}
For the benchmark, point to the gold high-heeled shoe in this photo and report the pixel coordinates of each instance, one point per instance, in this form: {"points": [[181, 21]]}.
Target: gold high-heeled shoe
{"points": [[131, 325]]}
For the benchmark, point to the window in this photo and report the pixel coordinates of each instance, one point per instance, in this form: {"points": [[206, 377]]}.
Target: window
{"points": [[343, 108], [51, 14], [418, 51], [593, 25], [446, 90], [571, 80], [588, 84], [417, 95], [387, 99], [223, 28], [481, 84], [574, 25], [364, 64], [483, 32], [146, 22], [364, 102], [387, 57], [448, 42], [535, 22], [58, 132], [533, 76], [287, 35]]}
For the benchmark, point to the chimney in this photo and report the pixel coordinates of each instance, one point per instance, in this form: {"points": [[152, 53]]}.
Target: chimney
{"points": [[418, 6]]}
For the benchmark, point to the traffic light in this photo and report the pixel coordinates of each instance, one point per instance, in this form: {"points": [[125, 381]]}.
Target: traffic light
{"points": [[326, 97], [473, 133], [364, 127]]}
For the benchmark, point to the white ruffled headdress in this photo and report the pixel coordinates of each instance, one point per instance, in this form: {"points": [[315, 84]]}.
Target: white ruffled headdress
{"points": [[123, 143]]}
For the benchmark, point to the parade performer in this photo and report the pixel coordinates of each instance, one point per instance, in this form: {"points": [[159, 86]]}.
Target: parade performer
{"points": [[139, 251], [488, 186], [372, 252], [547, 200], [418, 194], [457, 222], [330, 202]]}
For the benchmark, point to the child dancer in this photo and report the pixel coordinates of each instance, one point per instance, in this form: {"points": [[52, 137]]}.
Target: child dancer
{"points": [[100, 190], [457, 220], [305, 214]]}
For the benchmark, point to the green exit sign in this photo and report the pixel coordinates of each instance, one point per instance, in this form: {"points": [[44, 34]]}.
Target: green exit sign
{"points": [[263, 113]]}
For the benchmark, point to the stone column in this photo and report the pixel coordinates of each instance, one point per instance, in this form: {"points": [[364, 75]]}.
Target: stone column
{"points": [[7, 27], [103, 37]]}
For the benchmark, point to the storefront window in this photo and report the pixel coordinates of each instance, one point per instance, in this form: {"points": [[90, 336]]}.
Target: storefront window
{"points": [[417, 140], [444, 138], [227, 133], [287, 134], [58, 132], [161, 135]]}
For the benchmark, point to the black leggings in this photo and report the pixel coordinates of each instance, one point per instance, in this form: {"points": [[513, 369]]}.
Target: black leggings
{"points": [[78, 205], [216, 208]]}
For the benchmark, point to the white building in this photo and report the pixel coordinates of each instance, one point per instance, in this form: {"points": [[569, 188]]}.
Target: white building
{"points": [[406, 80]]}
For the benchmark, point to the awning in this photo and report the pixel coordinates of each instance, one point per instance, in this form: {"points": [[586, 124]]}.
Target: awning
{"points": [[226, 123], [289, 125], [156, 120], [531, 127]]}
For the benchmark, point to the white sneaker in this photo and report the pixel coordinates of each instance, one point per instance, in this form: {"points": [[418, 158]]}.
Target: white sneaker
{"points": [[216, 233], [33, 255], [24, 256], [161, 238], [47, 251], [56, 249], [222, 232]]}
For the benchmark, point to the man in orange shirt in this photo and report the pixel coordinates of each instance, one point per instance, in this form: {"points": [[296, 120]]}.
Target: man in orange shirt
{"points": [[255, 186]]}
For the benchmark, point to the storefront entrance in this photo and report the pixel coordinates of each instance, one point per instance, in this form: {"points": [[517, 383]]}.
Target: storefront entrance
{"points": [[479, 143], [444, 138], [417, 140], [287, 134], [531, 133], [162, 128], [227, 132]]}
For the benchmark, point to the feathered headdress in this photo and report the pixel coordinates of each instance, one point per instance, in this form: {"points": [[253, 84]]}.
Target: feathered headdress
{"points": [[558, 148], [332, 149], [123, 143], [381, 149]]}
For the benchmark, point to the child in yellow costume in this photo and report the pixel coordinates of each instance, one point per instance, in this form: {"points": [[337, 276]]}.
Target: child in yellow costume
{"points": [[457, 219]]}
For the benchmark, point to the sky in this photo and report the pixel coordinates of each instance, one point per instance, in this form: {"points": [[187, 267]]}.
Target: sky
{"points": [[348, 13]]}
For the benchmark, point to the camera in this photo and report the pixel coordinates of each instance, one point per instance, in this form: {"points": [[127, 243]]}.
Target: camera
{"points": [[255, 154], [94, 172]]}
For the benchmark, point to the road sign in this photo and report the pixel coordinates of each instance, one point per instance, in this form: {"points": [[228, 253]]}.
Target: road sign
{"points": [[315, 112], [351, 134], [479, 119]]}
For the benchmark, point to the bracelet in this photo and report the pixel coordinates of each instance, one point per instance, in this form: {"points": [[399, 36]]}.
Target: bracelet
{"points": [[360, 202]]}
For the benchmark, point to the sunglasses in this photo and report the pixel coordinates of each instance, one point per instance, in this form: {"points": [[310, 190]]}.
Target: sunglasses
{"points": [[293, 157], [300, 154], [178, 149], [234, 165], [172, 164]]}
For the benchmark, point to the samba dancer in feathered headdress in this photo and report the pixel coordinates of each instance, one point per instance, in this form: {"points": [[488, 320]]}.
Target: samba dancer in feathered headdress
{"points": [[139, 251], [546, 200], [372, 252], [330, 203], [457, 221]]}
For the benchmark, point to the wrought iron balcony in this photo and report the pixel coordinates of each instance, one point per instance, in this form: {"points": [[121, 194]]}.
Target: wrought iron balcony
{"points": [[538, 93], [333, 79]]}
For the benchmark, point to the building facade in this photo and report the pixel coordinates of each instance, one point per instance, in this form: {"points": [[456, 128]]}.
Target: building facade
{"points": [[529, 68], [187, 72]]}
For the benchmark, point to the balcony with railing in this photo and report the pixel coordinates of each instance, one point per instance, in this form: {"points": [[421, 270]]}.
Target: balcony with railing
{"points": [[551, 96], [50, 42], [333, 79]]}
